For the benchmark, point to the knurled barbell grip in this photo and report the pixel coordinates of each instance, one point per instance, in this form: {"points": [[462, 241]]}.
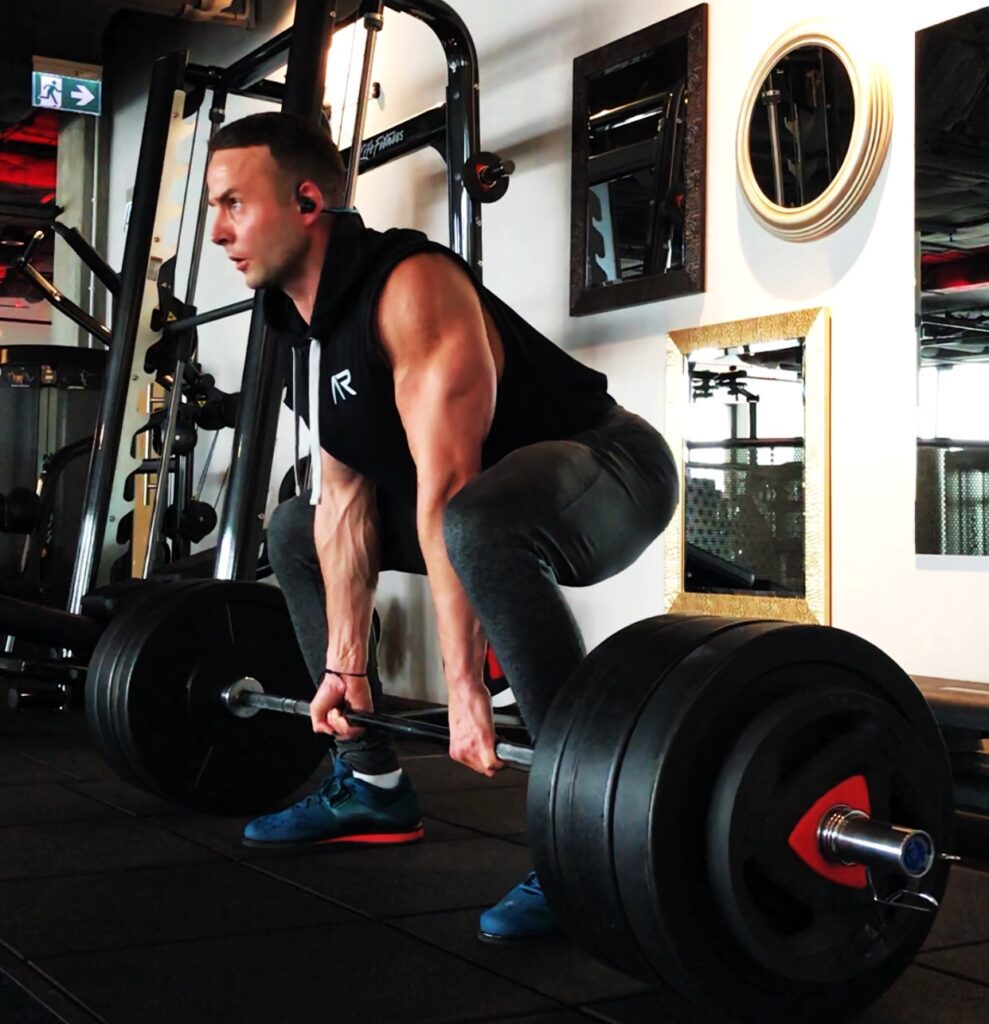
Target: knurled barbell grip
{"points": [[515, 755]]}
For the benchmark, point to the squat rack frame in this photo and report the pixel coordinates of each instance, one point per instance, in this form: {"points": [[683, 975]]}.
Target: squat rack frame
{"points": [[453, 129]]}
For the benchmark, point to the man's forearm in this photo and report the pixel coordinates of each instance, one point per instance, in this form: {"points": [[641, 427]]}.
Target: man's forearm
{"points": [[347, 544], [460, 634]]}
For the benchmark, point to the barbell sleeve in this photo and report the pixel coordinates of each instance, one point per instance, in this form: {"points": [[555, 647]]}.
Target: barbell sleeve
{"points": [[241, 697], [847, 836]]}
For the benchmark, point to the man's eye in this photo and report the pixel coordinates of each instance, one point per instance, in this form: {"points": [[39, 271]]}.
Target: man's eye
{"points": [[234, 204]]}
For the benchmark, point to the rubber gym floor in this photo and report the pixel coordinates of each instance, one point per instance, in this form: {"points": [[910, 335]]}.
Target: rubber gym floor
{"points": [[118, 907]]}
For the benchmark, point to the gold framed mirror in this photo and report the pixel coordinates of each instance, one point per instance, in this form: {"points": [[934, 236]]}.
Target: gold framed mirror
{"points": [[813, 131], [748, 420]]}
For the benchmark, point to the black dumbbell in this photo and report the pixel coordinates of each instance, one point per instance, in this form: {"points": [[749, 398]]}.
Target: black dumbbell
{"points": [[198, 520], [184, 440]]}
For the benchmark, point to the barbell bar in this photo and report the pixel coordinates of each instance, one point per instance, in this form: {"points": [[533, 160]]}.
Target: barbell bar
{"points": [[245, 697]]}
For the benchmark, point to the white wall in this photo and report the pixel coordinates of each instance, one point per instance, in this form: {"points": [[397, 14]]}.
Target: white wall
{"points": [[20, 332], [927, 613]]}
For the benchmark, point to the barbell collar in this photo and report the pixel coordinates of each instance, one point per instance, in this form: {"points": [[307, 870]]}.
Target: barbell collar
{"points": [[246, 697]]}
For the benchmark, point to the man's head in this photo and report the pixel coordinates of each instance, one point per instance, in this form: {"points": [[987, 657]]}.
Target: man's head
{"points": [[269, 178]]}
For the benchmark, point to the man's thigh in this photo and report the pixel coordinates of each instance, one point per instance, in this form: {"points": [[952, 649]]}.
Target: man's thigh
{"points": [[588, 506]]}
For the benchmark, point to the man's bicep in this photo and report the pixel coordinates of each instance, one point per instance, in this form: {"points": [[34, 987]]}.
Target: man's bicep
{"points": [[432, 328]]}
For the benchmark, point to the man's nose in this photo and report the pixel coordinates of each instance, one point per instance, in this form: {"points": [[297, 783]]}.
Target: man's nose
{"points": [[219, 234]]}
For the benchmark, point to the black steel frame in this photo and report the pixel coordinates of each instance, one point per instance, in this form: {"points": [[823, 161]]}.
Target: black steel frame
{"points": [[240, 527]]}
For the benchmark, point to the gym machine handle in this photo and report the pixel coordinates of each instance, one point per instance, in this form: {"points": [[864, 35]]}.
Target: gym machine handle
{"points": [[245, 698], [52, 295]]}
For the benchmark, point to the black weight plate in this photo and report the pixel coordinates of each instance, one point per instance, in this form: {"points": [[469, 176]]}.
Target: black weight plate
{"points": [[665, 790], [130, 639], [120, 631], [174, 730], [141, 619], [787, 916], [477, 164], [589, 768], [550, 744]]}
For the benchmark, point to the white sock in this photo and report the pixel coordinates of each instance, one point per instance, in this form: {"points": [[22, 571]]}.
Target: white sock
{"points": [[387, 781]]}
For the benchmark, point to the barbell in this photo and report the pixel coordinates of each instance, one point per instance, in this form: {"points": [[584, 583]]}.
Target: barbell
{"points": [[750, 811]]}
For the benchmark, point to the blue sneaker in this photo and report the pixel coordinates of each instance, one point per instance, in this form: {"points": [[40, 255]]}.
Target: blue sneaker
{"points": [[342, 810], [522, 914]]}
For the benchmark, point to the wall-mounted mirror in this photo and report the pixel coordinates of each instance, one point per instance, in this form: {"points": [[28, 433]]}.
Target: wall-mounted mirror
{"points": [[952, 227], [638, 167], [748, 420], [812, 134]]}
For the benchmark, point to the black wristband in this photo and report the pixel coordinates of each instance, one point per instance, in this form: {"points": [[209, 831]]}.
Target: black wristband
{"points": [[337, 672]]}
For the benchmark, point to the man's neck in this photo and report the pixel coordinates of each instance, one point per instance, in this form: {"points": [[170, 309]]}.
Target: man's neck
{"points": [[303, 287]]}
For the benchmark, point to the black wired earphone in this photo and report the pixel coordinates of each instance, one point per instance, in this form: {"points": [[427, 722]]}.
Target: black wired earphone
{"points": [[306, 205]]}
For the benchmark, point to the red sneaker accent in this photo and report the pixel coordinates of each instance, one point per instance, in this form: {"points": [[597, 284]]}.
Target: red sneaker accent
{"points": [[378, 838], [853, 792]]}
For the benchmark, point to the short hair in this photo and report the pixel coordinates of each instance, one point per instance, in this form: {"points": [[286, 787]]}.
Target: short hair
{"points": [[302, 150]]}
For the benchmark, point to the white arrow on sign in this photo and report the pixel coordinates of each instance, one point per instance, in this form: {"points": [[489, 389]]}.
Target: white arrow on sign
{"points": [[82, 95]]}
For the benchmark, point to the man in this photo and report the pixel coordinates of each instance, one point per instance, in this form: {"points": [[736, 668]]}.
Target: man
{"points": [[448, 437]]}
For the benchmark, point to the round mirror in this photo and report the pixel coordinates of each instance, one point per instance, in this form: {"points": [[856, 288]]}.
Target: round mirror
{"points": [[813, 132]]}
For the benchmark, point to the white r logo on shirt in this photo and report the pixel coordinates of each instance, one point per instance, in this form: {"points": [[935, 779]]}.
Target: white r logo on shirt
{"points": [[340, 386]]}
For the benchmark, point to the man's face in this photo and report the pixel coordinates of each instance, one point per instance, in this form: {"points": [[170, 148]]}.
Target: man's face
{"points": [[257, 223]]}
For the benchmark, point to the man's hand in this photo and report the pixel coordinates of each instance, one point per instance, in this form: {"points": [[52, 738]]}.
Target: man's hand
{"points": [[472, 738], [325, 709]]}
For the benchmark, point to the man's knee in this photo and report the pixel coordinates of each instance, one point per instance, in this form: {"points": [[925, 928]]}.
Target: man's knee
{"points": [[290, 532]]}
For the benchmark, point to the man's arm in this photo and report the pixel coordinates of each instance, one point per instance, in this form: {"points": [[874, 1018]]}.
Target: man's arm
{"points": [[431, 327], [345, 530]]}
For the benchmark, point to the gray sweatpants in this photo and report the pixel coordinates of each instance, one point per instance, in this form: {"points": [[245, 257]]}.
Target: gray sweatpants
{"points": [[568, 513]]}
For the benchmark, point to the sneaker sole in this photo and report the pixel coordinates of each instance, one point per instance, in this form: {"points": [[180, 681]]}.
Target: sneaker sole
{"points": [[358, 839]]}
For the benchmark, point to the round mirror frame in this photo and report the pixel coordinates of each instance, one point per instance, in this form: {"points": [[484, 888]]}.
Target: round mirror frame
{"points": [[871, 130]]}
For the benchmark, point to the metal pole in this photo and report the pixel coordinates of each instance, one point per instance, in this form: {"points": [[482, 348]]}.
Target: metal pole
{"points": [[166, 80], [373, 21], [187, 322], [462, 119], [305, 76], [258, 63], [161, 490], [217, 114]]}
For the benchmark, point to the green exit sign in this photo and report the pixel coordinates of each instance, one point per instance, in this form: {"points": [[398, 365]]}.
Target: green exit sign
{"points": [[63, 85]]}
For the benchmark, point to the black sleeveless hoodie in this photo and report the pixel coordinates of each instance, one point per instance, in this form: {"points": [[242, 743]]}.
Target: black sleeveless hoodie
{"points": [[543, 395]]}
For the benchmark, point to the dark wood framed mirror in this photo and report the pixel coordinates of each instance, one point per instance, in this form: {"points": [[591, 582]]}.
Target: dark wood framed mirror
{"points": [[638, 176]]}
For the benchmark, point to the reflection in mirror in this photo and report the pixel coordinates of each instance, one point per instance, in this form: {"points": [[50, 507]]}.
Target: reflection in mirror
{"points": [[801, 126], [635, 168], [638, 166], [744, 470], [952, 227]]}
